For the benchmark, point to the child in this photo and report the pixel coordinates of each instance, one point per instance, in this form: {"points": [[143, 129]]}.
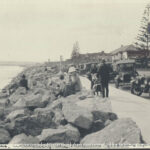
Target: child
{"points": [[96, 85]]}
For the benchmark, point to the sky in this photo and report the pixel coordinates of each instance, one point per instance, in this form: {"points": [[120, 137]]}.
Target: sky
{"points": [[38, 30]]}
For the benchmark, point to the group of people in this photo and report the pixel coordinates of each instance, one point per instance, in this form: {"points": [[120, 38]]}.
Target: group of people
{"points": [[70, 82], [99, 77]]}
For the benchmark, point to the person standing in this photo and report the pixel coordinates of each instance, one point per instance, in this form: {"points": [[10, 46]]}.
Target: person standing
{"points": [[103, 74], [93, 73]]}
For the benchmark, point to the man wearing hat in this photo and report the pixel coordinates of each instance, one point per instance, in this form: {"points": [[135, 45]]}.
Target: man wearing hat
{"points": [[103, 74]]}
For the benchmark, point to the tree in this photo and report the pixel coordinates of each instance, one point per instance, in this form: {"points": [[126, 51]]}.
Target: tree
{"points": [[76, 50], [143, 38]]}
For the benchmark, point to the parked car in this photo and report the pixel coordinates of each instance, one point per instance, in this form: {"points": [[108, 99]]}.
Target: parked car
{"points": [[140, 84], [85, 68], [112, 72], [126, 72]]}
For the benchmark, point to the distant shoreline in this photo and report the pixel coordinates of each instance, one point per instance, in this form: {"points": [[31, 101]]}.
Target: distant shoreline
{"points": [[15, 65], [21, 64], [8, 73]]}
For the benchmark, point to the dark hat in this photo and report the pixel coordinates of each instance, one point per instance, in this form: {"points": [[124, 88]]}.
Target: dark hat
{"points": [[23, 76], [61, 77]]}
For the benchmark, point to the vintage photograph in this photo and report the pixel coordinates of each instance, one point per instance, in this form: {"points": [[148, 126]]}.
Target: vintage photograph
{"points": [[74, 74]]}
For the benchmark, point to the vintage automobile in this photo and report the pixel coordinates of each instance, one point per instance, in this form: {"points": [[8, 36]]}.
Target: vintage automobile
{"points": [[126, 72], [141, 84], [85, 68], [112, 72]]}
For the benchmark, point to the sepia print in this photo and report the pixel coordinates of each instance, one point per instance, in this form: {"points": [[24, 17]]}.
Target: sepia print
{"points": [[74, 74]]}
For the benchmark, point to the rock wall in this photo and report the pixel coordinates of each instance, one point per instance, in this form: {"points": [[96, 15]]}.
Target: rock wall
{"points": [[40, 115]]}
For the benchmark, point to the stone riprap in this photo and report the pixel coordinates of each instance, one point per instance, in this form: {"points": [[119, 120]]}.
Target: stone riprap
{"points": [[41, 115]]}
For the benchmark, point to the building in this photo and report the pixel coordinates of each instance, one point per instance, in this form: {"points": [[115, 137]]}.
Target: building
{"points": [[127, 52], [84, 58], [91, 57]]}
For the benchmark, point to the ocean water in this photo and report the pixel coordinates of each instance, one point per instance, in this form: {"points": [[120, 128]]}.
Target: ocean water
{"points": [[7, 73]]}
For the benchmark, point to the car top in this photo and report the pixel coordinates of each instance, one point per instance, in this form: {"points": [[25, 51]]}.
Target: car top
{"points": [[89, 63], [128, 61]]}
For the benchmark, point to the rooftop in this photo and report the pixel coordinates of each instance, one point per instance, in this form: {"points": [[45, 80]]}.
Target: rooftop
{"points": [[124, 49], [94, 54]]}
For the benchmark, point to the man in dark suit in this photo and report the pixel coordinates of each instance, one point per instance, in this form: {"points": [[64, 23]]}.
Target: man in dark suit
{"points": [[103, 74]]}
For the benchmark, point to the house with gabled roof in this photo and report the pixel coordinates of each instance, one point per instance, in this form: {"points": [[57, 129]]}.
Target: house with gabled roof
{"points": [[127, 52]]}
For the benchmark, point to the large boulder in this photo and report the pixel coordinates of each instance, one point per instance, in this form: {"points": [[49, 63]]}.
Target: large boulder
{"points": [[84, 94], [35, 101], [20, 103], [101, 111], [15, 97], [72, 98], [104, 116], [121, 131], [41, 110], [2, 112], [38, 91], [40, 98], [64, 134], [24, 139], [33, 125], [58, 117], [77, 116], [48, 97], [40, 84], [57, 104], [4, 136], [82, 105], [15, 114], [3, 95], [96, 126], [20, 91], [95, 104], [4, 102]]}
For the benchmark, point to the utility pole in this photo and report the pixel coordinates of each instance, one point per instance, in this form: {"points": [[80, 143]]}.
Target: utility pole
{"points": [[61, 59]]}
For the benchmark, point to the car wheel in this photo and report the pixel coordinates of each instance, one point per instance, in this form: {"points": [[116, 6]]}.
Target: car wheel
{"points": [[135, 90], [117, 84], [132, 91]]}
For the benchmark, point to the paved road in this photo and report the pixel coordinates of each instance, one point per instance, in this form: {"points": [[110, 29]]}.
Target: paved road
{"points": [[125, 104], [144, 95]]}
